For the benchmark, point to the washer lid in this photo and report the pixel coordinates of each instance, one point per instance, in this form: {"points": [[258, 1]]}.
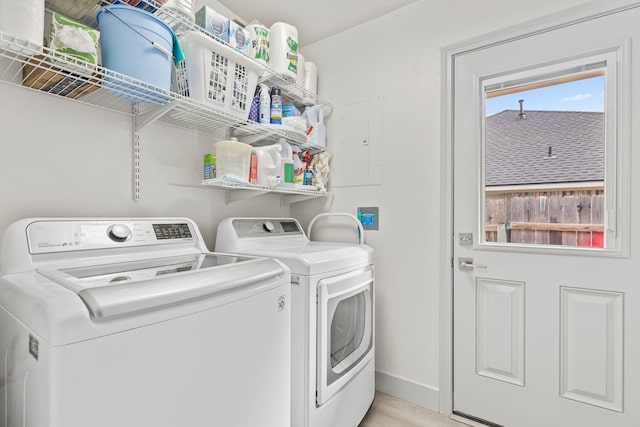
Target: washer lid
{"points": [[118, 289]]}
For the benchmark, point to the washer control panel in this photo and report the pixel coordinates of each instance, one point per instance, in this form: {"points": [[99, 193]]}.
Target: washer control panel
{"points": [[47, 236]]}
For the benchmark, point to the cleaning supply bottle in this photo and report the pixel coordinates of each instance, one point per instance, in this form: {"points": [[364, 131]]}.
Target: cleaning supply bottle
{"points": [[264, 115], [253, 167], [276, 106], [298, 169], [308, 175], [287, 161]]}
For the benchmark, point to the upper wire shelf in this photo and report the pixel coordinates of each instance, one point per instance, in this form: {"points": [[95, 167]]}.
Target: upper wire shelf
{"points": [[62, 75], [85, 11]]}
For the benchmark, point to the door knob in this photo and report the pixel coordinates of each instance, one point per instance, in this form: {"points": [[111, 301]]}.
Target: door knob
{"points": [[467, 264]]}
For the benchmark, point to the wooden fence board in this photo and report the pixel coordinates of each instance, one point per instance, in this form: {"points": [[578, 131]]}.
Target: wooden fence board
{"points": [[553, 217]]}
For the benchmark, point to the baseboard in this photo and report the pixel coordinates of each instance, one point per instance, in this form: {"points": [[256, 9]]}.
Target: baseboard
{"points": [[418, 394]]}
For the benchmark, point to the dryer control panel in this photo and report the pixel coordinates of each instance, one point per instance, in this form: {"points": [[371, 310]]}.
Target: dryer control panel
{"points": [[254, 227]]}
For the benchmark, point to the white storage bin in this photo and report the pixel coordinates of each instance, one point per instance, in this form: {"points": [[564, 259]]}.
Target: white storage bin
{"points": [[217, 74]]}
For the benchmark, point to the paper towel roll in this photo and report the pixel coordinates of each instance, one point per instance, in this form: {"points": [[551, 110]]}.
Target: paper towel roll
{"points": [[300, 78], [311, 77], [283, 50], [258, 42], [23, 19]]}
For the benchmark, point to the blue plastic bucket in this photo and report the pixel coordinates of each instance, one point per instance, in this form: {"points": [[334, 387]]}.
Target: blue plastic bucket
{"points": [[127, 38]]}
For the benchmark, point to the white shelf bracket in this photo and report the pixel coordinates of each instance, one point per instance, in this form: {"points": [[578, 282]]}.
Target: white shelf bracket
{"points": [[251, 139], [288, 199], [144, 119], [233, 196]]}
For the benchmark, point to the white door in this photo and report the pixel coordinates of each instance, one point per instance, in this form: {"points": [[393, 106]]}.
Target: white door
{"points": [[547, 332]]}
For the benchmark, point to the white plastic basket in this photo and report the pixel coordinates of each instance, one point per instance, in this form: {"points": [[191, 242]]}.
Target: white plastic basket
{"points": [[216, 74]]}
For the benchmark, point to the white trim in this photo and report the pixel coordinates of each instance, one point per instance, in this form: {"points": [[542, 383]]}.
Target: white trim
{"points": [[540, 25], [566, 18], [409, 391], [445, 314], [592, 185]]}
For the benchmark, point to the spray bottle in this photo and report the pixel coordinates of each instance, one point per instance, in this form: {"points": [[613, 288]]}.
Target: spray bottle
{"points": [[264, 114]]}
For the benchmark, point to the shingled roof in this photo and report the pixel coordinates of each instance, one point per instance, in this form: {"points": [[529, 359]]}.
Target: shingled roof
{"points": [[545, 147]]}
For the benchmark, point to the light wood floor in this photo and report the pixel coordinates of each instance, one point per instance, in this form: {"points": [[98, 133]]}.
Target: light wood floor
{"points": [[388, 411]]}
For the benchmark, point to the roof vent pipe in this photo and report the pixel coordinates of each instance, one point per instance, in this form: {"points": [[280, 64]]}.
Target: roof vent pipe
{"points": [[522, 114]]}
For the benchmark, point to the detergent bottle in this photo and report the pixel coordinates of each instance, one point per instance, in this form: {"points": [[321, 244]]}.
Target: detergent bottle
{"points": [[269, 164], [287, 162]]}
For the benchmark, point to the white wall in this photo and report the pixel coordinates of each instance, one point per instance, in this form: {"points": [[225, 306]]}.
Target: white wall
{"points": [[397, 58], [62, 158]]}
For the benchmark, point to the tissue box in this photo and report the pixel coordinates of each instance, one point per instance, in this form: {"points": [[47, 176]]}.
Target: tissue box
{"points": [[238, 38], [74, 39], [213, 22]]}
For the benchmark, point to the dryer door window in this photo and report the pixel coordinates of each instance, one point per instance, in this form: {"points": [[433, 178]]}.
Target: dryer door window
{"points": [[348, 327], [345, 329]]}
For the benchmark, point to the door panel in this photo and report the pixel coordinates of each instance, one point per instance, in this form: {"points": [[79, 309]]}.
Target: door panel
{"points": [[546, 334], [500, 330], [591, 360]]}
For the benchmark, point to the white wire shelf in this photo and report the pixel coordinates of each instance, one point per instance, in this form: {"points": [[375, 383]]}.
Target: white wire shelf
{"points": [[41, 69], [62, 75], [239, 191], [85, 11], [234, 185]]}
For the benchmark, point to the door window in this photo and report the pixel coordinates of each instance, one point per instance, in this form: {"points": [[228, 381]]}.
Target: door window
{"points": [[547, 136]]}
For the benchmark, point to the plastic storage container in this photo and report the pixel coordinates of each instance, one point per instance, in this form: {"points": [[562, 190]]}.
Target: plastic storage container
{"points": [[139, 45], [233, 160], [217, 74]]}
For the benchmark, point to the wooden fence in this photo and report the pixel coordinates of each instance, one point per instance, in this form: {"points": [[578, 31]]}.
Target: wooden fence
{"points": [[569, 218]]}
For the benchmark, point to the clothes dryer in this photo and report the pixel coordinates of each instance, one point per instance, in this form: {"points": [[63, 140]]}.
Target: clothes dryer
{"points": [[333, 367]]}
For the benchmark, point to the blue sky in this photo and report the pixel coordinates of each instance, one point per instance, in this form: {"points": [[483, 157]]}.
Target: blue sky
{"points": [[580, 95]]}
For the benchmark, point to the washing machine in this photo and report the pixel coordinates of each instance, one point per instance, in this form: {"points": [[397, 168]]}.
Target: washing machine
{"points": [[131, 322], [333, 365]]}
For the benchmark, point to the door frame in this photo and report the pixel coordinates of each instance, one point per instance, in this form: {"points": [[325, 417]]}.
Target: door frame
{"points": [[449, 53]]}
